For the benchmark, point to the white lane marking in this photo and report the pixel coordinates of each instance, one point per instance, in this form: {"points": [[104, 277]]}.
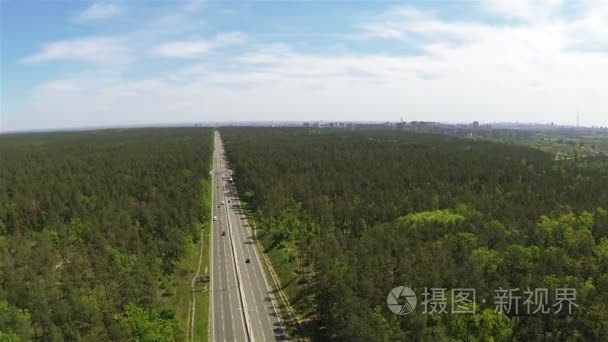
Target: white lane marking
{"points": [[258, 288], [213, 241], [253, 286], [237, 269], [222, 286], [226, 291], [211, 282], [229, 289], [233, 273], [253, 299], [265, 281]]}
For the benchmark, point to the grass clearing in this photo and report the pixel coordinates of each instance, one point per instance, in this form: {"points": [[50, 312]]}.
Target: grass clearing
{"points": [[201, 321], [177, 294]]}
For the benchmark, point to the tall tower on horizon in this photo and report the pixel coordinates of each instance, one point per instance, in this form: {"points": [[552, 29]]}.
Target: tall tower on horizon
{"points": [[577, 122]]}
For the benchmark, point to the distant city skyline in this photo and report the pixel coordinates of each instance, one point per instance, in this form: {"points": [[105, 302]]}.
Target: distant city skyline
{"points": [[530, 126], [67, 64]]}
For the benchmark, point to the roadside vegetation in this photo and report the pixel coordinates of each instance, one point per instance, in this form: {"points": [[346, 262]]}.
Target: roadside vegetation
{"points": [[99, 232], [185, 289], [347, 216]]}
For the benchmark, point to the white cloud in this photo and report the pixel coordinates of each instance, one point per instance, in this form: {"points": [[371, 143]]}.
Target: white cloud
{"points": [[542, 70], [271, 54], [229, 38], [89, 49], [182, 49], [586, 26], [590, 30], [187, 72], [98, 11], [463, 83], [196, 48], [193, 5], [523, 9], [420, 28]]}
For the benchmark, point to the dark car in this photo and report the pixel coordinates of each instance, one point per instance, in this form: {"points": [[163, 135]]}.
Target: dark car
{"points": [[223, 233], [247, 260]]}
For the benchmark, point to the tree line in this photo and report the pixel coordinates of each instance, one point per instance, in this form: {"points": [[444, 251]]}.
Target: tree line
{"points": [[92, 225], [357, 213]]}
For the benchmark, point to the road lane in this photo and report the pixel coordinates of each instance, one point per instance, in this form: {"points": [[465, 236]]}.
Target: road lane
{"points": [[260, 299], [235, 282], [226, 309]]}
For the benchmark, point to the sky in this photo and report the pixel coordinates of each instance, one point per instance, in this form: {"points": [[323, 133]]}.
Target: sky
{"points": [[71, 64]]}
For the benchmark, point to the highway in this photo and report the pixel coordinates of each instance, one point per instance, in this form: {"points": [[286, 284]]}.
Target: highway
{"points": [[242, 303]]}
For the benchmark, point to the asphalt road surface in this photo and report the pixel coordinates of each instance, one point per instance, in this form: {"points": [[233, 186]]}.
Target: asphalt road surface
{"points": [[242, 304]]}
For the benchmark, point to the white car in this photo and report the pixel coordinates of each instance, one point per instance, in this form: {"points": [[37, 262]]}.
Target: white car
{"points": [[214, 218], [223, 203]]}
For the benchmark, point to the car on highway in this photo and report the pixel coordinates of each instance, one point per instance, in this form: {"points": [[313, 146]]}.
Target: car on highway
{"points": [[214, 218], [247, 260], [223, 233], [222, 203]]}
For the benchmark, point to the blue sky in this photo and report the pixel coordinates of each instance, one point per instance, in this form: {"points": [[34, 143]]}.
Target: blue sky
{"points": [[71, 64]]}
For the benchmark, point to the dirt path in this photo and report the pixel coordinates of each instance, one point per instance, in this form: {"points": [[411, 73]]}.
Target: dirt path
{"points": [[192, 305]]}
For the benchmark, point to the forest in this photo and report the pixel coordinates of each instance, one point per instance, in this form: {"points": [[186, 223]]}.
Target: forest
{"points": [[92, 226], [346, 216]]}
